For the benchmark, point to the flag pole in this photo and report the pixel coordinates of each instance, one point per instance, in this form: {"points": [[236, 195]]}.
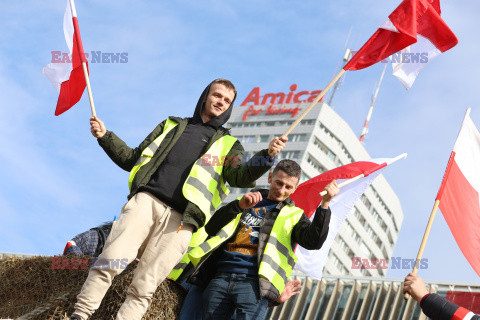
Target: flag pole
{"points": [[82, 56], [360, 176], [406, 296], [370, 111], [314, 102], [434, 209]]}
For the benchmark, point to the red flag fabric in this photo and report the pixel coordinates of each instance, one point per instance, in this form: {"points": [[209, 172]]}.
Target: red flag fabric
{"points": [[459, 193], [306, 195], [68, 77], [409, 21]]}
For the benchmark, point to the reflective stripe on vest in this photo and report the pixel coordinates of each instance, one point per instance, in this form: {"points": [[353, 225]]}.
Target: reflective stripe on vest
{"points": [[278, 257], [206, 188], [149, 151], [197, 253], [205, 185], [197, 238]]}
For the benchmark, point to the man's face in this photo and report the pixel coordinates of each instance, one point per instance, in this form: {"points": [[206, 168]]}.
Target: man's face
{"points": [[281, 185], [218, 100]]}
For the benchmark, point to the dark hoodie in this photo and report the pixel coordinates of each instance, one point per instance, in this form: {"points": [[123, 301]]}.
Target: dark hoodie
{"points": [[167, 182]]}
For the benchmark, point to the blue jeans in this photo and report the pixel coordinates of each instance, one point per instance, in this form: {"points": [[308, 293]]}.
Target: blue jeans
{"points": [[192, 305], [229, 292]]}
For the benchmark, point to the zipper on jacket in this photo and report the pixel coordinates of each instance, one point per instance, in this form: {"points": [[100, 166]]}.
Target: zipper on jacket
{"points": [[181, 225]]}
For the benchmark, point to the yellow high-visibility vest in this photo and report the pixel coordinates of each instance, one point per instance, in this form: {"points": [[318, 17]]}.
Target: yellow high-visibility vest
{"points": [[278, 258], [149, 151], [204, 185]]}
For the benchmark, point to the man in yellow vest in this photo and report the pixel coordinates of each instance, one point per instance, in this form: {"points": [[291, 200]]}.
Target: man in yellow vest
{"points": [[177, 180], [248, 260]]}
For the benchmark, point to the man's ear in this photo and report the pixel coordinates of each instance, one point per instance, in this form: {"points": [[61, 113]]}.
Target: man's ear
{"points": [[270, 177]]}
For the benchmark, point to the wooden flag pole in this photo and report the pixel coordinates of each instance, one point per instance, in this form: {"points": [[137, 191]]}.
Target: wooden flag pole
{"points": [[89, 89], [82, 57], [344, 183], [314, 102], [424, 241]]}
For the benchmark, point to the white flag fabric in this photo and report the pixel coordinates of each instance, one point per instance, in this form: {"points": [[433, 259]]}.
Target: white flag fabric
{"points": [[67, 76], [312, 262], [431, 42]]}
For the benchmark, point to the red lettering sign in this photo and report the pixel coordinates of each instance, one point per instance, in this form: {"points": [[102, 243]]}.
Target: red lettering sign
{"points": [[280, 97]]}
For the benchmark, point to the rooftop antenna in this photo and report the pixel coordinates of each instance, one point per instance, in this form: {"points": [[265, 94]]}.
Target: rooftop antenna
{"points": [[346, 58], [374, 97]]}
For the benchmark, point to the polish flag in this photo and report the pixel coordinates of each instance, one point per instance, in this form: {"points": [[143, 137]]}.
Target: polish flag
{"points": [[68, 78], [414, 32], [311, 262], [459, 192]]}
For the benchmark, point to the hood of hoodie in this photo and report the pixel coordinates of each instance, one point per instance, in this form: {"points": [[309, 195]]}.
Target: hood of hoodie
{"points": [[216, 122]]}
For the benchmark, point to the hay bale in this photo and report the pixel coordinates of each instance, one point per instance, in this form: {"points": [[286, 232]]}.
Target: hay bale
{"points": [[44, 288]]}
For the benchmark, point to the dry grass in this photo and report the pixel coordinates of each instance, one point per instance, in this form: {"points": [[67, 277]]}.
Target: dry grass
{"points": [[31, 289]]}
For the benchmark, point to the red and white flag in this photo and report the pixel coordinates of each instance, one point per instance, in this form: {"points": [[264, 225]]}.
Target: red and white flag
{"points": [[68, 78], [459, 192], [311, 262], [416, 28]]}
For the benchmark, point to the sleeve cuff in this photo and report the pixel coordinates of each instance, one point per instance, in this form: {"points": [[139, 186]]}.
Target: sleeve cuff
{"points": [[423, 299], [105, 137], [270, 160], [236, 206]]}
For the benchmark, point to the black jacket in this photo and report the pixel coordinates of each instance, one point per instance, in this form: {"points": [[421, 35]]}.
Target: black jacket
{"points": [[439, 308]]}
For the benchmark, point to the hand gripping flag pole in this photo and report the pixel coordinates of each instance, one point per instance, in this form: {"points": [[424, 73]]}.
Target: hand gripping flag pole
{"points": [[82, 55]]}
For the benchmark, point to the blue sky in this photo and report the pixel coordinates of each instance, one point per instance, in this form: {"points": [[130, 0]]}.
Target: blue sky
{"points": [[58, 182]]}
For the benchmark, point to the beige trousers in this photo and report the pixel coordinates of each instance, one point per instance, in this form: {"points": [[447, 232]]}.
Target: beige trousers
{"points": [[147, 229]]}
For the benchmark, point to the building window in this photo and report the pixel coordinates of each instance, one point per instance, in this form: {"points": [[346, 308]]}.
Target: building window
{"points": [[307, 122], [384, 226], [366, 202], [390, 238], [290, 155], [314, 163], [338, 264], [365, 249], [304, 177], [264, 138], [329, 153], [297, 137], [341, 243], [248, 139], [359, 216], [351, 232]]}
